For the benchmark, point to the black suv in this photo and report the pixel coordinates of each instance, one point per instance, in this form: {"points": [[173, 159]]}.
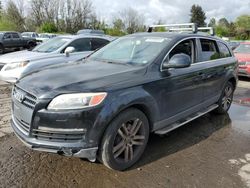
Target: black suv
{"points": [[110, 102]]}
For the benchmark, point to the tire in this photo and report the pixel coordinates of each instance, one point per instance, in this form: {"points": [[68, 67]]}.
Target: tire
{"points": [[1, 49], [124, 140], [226, 99], [31, 45]]}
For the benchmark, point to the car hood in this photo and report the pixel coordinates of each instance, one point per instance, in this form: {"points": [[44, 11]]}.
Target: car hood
{"points": [[242, 57], [91, 76], [23, 56]]}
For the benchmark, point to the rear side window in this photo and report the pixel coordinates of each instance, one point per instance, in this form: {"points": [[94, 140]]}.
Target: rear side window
{"points": [[15, 35], [209, 50], [224, 51], [98, 43], [81, 45]]}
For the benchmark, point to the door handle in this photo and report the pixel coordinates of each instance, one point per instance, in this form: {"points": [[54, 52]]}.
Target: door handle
{"points": [[201, 76]]}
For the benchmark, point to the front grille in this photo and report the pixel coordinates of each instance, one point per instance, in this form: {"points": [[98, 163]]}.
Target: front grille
{"points": [[23, 126], [28, 100], [57, 135], [242, 63]]}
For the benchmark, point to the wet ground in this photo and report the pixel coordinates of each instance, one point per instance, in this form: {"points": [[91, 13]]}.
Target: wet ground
{"points": [[212, 151]]}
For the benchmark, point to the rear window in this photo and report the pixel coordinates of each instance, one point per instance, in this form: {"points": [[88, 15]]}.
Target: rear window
{"points": [[224, 51], [209, 50]]}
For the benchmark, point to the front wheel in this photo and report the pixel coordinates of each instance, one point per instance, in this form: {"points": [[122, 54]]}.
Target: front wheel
{"points": [[226, 99], [125, 140], [1, 49]]}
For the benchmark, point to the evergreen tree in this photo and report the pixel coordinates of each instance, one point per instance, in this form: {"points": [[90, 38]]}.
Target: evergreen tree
{"points": [[198, 16]]}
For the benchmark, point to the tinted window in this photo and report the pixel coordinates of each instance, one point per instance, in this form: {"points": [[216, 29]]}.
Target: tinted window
{"points": [[98, 43], [7, 36], [224, 51], [81, 45], [186, 47], [15, 35], [209, 50]]}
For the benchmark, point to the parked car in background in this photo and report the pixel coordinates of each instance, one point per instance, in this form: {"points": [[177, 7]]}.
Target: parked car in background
{"points": [[33, 35], [242, 52], [233, 44], [14, 40], [90, 31], [57, 50], [42, 37], [105, 106]]}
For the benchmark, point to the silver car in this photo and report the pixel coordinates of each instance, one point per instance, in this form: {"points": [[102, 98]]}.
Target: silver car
{"points": [[58, 50]]}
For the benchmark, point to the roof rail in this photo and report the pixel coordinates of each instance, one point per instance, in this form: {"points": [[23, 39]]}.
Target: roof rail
{"points": [[176, 27], [183, 27], [210, 29]]}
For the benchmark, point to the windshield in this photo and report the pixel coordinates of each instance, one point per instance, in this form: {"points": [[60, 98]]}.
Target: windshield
{"points": [[131, 50], [51, 45], [243, 48]]}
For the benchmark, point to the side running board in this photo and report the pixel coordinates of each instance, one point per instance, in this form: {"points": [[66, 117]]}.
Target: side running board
{"points": [[186, 120]]}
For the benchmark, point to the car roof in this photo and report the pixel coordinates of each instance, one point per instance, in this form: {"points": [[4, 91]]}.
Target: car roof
{"points": [[107, 37], [8, 32]]}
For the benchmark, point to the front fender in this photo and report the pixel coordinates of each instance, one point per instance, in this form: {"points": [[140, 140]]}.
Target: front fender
{"points": [[117, 102]]}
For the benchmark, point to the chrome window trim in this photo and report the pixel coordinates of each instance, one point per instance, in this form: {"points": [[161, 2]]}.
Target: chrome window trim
{"points": [[194, 37]]}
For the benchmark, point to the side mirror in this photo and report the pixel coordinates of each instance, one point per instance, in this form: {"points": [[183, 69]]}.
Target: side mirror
{"points": [[178, 61], [69, 50]]}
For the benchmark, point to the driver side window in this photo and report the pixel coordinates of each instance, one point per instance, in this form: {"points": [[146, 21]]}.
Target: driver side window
{"points": [[7, 36], [185, 47]]}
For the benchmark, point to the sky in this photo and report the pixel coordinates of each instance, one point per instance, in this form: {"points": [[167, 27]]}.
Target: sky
{"points": [[172, 11], [169, 11]]}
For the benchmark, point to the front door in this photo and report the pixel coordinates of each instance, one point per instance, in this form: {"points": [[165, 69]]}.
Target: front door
{"points": [[180, 90], [7, 40]]}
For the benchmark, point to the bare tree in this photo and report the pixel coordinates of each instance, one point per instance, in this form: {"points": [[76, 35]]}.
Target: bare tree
{"points": [[132, 20], [14, 13]]}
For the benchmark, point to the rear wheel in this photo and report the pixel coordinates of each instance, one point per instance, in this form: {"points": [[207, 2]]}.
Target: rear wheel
{"points": [[226, 99], [125, 140], [31, 45]]}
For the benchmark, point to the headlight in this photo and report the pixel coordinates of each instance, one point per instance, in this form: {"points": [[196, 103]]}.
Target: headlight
{"points": [[248, 63], [12, 66], [76, 101]]}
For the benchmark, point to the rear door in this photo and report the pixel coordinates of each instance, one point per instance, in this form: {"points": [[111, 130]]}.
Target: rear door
{"points": [[214, 61], [16, 40]]}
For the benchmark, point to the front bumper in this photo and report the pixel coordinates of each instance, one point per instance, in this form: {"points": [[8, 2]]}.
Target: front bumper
{"points": [[7, 78], [73, 149], [244, 72]]}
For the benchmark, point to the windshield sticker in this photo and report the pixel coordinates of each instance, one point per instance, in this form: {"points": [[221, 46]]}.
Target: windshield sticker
{"points": [[154, 40]]}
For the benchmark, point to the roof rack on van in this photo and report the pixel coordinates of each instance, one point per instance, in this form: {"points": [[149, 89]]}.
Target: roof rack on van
{"points": [[182, 28]]}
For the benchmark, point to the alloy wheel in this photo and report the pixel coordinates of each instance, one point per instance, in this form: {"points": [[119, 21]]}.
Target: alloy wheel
{"points": [[129, 140], [227, 98]]}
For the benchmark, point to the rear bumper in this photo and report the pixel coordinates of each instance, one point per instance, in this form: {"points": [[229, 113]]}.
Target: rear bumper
{"points": [[72, 149]]}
